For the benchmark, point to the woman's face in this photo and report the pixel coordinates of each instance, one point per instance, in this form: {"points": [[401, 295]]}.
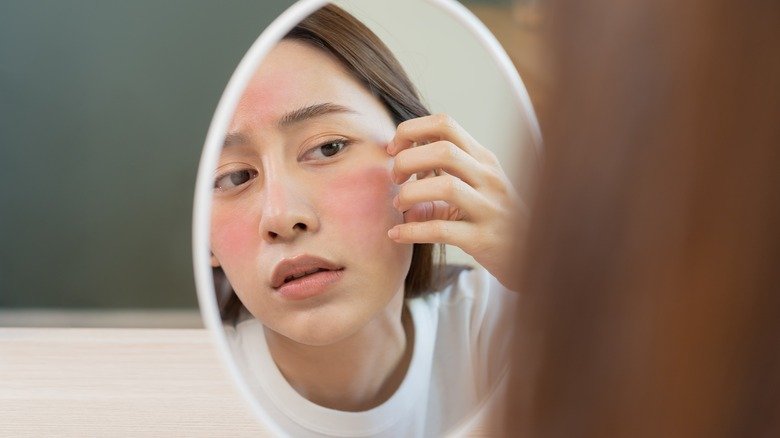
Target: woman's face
{"points": [[303, 185]]}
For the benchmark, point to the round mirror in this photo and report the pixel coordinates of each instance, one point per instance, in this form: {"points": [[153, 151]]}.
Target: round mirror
{"points": [[350, 131]]}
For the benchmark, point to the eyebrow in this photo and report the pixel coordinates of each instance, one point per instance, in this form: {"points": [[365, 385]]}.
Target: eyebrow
{"points": [[312, 111], [234, 138], [292, 118]]}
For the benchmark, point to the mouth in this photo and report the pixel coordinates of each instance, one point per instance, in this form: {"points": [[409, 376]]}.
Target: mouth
{"points": [[300, 268], [292, 277]]}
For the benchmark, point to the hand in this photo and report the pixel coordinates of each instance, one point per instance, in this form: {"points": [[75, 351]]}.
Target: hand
{"points": [[460, 195]]}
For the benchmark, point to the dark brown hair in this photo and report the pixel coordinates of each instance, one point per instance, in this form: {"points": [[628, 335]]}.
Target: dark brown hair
{"points": [[651, 303], [368, 60]]}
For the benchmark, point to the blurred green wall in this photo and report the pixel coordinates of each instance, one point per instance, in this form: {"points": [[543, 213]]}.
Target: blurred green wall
{"points": [[104, 108]]}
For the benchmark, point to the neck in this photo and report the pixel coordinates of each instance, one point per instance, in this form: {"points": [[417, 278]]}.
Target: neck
{"points": [[354, 374]]}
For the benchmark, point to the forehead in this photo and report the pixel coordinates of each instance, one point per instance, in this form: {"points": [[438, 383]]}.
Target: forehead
{"points": [[294, 75]]}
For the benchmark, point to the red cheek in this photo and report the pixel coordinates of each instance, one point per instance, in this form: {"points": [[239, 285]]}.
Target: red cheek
{"points": [[361, 199], [232, 232]]}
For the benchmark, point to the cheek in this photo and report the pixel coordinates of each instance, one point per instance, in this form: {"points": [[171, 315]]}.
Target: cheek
{"points": [[231, 233], [361, 200]]}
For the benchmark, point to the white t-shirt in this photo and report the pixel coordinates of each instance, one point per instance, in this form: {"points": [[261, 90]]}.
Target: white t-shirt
{"points": [[461, 351]]}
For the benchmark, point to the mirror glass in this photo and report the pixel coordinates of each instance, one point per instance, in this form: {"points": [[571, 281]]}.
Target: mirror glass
{"points": [[327, 324]]}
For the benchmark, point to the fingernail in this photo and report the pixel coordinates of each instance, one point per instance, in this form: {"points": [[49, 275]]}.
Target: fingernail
{"points": [[392, 233]]}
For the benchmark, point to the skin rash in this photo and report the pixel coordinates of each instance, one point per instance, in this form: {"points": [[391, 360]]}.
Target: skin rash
{"points": [[345, 203]]}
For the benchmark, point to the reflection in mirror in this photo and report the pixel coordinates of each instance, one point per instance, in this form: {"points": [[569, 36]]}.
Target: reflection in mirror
{"points": [[333, 194]]}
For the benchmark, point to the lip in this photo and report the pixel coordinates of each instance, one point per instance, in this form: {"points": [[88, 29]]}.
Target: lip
{"points": [[326, 273]]}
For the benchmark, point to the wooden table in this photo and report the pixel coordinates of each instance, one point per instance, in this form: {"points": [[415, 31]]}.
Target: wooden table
{"points": [[117, 382], [122, 382]]}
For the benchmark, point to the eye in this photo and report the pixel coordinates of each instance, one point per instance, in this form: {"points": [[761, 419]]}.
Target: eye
{"points": [[233, 179], [326, 150]]}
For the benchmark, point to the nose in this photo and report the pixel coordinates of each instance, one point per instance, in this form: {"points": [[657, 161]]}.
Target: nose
{"points": [[286, 213]]}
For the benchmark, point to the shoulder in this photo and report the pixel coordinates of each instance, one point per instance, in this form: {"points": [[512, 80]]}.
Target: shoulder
{"points": [[473, 288], [473, 319], [474, 306]]}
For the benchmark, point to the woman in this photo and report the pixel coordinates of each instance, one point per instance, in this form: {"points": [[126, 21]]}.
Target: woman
{"points": [[333, 183]]}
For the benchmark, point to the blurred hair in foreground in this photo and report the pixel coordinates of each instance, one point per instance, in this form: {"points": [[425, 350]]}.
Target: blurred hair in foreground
{"points": [[651, 279]]}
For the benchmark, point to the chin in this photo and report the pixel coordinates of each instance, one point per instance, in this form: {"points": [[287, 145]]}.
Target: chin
{"points": [[320, 338], [321, 330]]}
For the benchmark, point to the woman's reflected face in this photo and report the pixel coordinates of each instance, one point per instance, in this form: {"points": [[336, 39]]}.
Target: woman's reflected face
{"points": [[303, 184]]}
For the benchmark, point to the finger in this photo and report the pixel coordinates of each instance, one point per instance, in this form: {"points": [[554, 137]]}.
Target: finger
{"points": [[427, 211], [438, 155], [435, 128], [436, 231], [428, 129], [454, 191]]}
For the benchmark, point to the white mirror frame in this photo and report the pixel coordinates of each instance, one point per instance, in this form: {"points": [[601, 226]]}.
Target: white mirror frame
{"points": [[201, 219]]}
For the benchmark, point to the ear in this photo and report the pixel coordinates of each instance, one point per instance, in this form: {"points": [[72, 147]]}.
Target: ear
{"points": [[214, 261]]}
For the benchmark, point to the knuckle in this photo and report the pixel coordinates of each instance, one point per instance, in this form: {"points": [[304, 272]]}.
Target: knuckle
{"points": [[494, 177], [480, 243], [450, 186], [447, 151], [440, 230], [445, 121], [491, 157], [414, 231], [403, 130], [497, 180], [401, 162], [403, 126]]}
